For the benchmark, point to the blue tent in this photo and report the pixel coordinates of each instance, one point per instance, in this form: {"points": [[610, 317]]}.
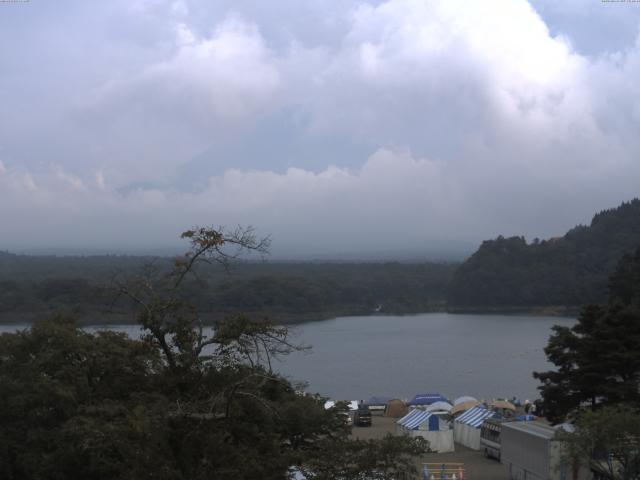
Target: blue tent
{"points": [[426, 399]]}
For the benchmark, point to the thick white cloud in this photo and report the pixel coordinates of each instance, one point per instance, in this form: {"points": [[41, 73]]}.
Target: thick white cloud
{"points": [[170, 110], [471, 119], [393, 202], [227, 75], [332, 210]]}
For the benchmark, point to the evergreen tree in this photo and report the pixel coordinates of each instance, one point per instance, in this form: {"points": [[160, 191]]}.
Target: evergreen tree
{"points": [[598, 359], [566, 271]]}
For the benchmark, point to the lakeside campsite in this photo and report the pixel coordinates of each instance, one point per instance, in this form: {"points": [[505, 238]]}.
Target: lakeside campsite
{"points": [[463, 437]]}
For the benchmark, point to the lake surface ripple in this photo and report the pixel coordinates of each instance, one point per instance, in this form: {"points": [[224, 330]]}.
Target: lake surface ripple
{"points": [[486, 356]]}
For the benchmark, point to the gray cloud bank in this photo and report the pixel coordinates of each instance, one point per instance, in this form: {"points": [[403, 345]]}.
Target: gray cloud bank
{"points": [[333, 126]]}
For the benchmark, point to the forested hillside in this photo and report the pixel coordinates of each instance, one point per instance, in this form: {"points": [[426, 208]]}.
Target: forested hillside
{"points": [[504, 274], [568, 271], [285, 291]]}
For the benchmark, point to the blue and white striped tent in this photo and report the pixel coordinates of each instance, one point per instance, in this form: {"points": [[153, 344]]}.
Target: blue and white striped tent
{"points": [[419, 423], [475, 416], [466, 428], [415, 418]]}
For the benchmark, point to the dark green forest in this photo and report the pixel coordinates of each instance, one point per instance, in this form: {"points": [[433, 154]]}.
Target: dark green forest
{"points": [[286, 292], [565, 272]]}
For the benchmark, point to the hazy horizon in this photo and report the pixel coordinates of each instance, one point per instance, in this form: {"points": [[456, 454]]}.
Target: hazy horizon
{"points": [[441, 253]]}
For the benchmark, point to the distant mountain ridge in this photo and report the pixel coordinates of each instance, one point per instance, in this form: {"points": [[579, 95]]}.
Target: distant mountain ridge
{"points": [[568, 271]]}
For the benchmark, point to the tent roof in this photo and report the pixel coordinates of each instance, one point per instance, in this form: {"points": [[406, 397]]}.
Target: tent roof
{"points": [[414, 419], [426, 399], [395, 408], [475, 416], [464, 398], [461, 407], [505, 404], [439, 406]]}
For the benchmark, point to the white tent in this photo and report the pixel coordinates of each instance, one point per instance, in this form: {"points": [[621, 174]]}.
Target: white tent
{"points": [[465, 398], [439, 407], [466, 428]]}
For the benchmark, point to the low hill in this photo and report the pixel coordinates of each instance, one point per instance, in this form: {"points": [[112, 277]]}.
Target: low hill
{"points": [[573, 270]]}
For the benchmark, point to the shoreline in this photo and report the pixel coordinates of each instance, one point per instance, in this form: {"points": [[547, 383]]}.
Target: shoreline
{"points": [[288, 318]]}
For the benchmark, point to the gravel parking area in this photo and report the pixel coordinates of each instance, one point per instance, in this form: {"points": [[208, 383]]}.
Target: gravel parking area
{"points": [[477, 467]]}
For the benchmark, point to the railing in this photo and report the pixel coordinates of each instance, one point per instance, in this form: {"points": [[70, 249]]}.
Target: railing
{"points": [[442, 471]]}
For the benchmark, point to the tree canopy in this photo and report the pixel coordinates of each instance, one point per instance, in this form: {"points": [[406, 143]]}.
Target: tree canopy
{"points": [[178, 403], [567, 271], [607, 441], [598, 359]]}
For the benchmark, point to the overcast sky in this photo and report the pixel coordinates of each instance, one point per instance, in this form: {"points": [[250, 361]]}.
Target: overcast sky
{"points": [[336, 126]]}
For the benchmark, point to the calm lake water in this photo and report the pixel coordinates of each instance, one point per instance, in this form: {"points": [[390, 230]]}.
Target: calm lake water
{"points": [[486, 356]]}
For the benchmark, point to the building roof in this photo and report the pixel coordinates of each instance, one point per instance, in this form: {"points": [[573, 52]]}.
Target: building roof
{"points": [[532, 428], [475, 416]]}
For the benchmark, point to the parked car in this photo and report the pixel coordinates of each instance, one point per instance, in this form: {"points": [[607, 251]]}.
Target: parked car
{"points": [[362, 416]]}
